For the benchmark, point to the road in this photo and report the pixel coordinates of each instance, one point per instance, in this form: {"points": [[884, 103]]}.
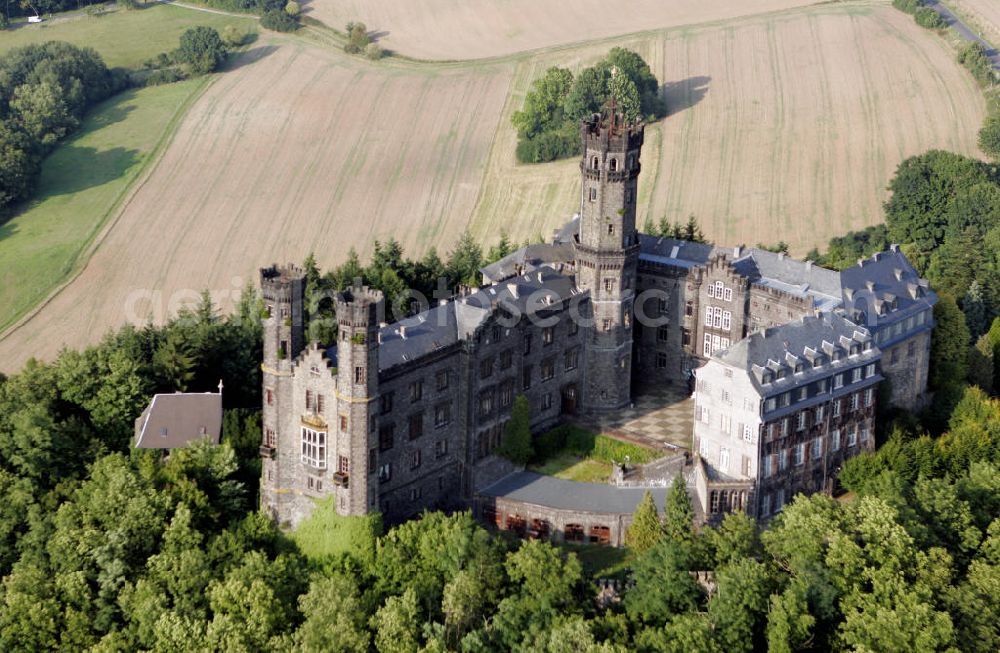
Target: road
{"points": [[965, 32]]}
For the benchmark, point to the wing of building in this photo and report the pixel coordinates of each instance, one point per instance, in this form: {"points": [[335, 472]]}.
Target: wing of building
{"points": [[403, 417]]}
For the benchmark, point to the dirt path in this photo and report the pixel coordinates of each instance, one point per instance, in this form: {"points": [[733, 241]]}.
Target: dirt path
{"points": [[966, 32]]}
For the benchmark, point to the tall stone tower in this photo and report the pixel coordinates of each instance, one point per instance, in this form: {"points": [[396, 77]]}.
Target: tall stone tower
{"points": [[283, 289], [359, 311], [607, 251]]}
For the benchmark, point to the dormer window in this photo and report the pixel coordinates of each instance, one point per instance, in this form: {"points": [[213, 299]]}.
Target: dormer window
{"points": [[766, 377], [855, 350], [799, 368]]}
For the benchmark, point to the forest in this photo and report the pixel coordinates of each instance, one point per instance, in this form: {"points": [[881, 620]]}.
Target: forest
{"points": [[103, 547]]}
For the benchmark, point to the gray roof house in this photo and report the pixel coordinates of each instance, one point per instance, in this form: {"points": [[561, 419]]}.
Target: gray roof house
{"points": [[172, 421]]}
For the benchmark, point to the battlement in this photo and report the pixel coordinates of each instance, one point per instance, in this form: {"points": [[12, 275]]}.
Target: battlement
{"points": [[608, 132], [281, 283], [360, 307]]}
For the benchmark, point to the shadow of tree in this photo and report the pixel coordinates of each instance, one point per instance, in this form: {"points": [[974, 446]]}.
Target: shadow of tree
{"points": [[79, 168], [251, 56], [112, 114], [6, 228], [684, 94]]}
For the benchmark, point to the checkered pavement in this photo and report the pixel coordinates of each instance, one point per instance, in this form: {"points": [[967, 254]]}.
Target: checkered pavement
{"points": [[663, 415]]}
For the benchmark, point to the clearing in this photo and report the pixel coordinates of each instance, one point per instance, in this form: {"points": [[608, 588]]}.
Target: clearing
{"points": [[80, 186], [474, 29], [123, 38]]}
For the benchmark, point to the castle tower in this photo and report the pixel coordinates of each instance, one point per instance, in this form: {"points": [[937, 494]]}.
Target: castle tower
{"points": [[283, 289], [607, 251], [359, 311]]}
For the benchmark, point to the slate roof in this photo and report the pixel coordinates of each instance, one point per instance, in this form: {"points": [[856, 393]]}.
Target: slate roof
{"points": [[811, 341], [678, 253], [174, 420], [560, 494], [528, 259], [884, 281], [456, 320]]}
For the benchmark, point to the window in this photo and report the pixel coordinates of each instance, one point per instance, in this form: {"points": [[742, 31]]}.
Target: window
{"points": [[442, 381], [661, 360], [724, 459], [343, 465], [870, 369], [768, 467], [727, 320], [547, 401], [784, 427], [725, 424], [611, 229], [309, 400], [593, 194], [385, 437], [706, 349], [269, 396], [573, 328], [835, 440], [855, 400], [800, 454], [442, 415], [385, 472], [800, 420], [269, 438], [869, 396], [416, 493], [440, 448], [527, 344], [727, 398], [748, 433], [385, 403], [343, 423], [765, 505], [865, 434], [803, 393], [548, 335], [506, 394], [911, 350], [486, 368], [838, 381], [506, 359], [836, 408], [819, 414], [714, 502], [526, 377], [485, 403], [314, 448], [497, 332], [571, 359], [709, 312], [856, 375], [727, 295], [702, 414], [779, 500], [821, 386], [662, 333], [606, 325], [548, 369], [415, 459], [359, 375], [595, 163], [852, 435], [320, 404], [372, 460], [613, 165], [770, 404], [416, 425], [817, 449], [783, 460]]}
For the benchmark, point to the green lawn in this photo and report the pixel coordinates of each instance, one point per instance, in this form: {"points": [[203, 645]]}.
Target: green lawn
{"points": [[576, 454], [601, 561], [571, 467], [81, 185], [123, 38]]}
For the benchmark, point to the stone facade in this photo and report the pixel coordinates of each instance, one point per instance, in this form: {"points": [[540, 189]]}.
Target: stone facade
{"points": [[408, 416]]}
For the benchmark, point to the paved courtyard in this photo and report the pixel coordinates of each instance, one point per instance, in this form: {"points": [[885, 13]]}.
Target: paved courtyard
{"points": [[659, 416]]}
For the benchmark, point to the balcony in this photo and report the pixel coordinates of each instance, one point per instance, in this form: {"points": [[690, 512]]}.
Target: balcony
{"points": [[340, 479], [267, 451]]}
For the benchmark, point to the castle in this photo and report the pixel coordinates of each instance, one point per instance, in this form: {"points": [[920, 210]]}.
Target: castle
{"points": [[402, 417]]}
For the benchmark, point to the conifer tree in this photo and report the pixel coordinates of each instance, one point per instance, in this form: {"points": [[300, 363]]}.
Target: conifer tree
{"points": [[516, 445], [646, 529], [678, 515]]}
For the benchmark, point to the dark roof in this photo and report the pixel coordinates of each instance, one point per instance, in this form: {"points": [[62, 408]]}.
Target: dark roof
{"points": [[782, 272], [175, 420], [528, 259], [679, 253], [560, 494], [886, 282], [809, 340], [446, 324]]}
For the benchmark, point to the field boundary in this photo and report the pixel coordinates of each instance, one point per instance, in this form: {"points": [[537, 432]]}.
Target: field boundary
{"points": [[76, 264]]}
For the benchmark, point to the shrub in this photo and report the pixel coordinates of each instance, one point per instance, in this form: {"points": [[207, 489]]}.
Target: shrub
{"points": [[129, 4], [908, 6], [973, 57], [278, 21], [927, 17], [4, 21], [989, 136], [164, 76], [201, 49], [233, 36], [357, 38], [374, 51], [293, 9]]}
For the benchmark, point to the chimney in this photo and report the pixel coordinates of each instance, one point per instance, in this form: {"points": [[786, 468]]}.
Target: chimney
{"points": [[737, 251], [402, 331], [809, 266], [899, 274], [442, 302], [861, 263], [781, 256], [512, 288], [894, 247]]}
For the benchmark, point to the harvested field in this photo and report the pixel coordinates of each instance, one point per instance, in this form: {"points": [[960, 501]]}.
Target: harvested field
{"points": [[473, 29], [984, 15], [782, 128], [270, 164]]}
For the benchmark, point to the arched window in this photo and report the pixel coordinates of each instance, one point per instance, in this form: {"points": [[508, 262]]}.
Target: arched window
{"points": [[613, 165], [595, 163]]}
